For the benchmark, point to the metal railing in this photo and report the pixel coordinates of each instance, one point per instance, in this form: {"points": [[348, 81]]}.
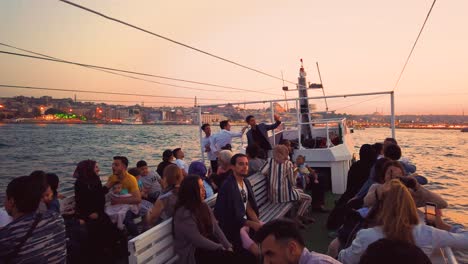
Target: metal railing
{"points": [[298, 114], [329, 144]]}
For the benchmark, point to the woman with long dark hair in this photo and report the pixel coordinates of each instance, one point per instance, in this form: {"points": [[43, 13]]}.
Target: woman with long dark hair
{"points": [[198, 238], [101, 234]]}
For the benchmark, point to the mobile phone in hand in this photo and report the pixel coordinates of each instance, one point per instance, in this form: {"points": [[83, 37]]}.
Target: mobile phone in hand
{"points": [[430, 213]]}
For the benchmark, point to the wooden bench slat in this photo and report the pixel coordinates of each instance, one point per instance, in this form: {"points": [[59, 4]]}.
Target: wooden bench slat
{"points": [[256, 178], [67, 204], [278, 211], [159, 252], [161, 230], [211, 201], [261, 196]]}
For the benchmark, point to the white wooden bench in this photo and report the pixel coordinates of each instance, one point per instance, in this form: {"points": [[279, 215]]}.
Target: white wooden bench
{"points": [[67, 204], [156, 244]]}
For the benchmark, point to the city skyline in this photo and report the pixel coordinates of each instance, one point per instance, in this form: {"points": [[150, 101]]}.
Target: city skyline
{"points": [[360, 47]]}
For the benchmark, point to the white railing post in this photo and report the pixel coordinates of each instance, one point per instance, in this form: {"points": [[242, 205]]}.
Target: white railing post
{"points": [[298, 116], [449, 256], [200, 123], [272, 110], [392, 117], [328, 135]]}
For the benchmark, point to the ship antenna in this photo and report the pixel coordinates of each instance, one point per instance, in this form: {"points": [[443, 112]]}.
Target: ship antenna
{"points": [[323, 89]]}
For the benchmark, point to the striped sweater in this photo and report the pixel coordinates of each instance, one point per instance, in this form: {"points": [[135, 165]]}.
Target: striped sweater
{"points": [[282, 179]]}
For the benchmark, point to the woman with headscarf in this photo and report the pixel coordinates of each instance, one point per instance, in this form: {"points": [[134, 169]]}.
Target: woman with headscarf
{"points": [[199, 169], [358, 174], [359, 171], [101, 233]]}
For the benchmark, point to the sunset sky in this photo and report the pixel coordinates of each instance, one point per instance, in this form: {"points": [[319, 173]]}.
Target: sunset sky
{"points": [[361, 46]]}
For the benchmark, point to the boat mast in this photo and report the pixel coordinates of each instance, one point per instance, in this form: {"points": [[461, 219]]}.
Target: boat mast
{"points": [[306, 132]]}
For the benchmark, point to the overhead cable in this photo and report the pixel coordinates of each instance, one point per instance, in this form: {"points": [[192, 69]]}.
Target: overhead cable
{"points": [[131, 72], [129, 101], [173, 41], [116, 73], [133, 101], [99, 92], [360, 102], [414, 45]]}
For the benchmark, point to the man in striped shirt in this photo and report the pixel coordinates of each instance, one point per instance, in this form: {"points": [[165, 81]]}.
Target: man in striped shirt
{"points": [[31, 237]]}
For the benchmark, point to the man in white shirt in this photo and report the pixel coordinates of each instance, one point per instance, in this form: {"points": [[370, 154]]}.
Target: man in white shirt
{"points": [[222, 140], [207, 145], [179, 155]]}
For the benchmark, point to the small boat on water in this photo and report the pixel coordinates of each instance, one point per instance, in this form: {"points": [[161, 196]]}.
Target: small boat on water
{"points": [[132, 121], [134, 118]]}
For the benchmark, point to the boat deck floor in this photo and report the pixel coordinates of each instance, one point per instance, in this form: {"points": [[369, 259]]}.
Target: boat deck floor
{"points": [[316, 235]]}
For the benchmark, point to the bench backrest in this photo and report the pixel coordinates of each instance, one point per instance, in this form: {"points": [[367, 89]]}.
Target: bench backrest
{"points": [[156, 244], [260, 188], [67, 204]]}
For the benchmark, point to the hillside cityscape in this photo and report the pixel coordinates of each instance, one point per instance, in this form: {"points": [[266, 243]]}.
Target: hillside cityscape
{"points": [[45, 109]]}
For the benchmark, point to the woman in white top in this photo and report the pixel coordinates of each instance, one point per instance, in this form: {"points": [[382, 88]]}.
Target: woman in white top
{"points": [[398, 220]]}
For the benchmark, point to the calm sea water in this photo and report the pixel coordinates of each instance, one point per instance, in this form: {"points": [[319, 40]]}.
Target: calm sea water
{"points": [[440, 155]]}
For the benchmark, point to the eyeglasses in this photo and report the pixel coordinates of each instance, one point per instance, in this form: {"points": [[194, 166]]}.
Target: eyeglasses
{"points": [[244, 196]]}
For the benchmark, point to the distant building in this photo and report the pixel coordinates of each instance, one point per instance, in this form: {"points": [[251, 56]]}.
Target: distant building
{"points": [[208, 118], [153, 116]]}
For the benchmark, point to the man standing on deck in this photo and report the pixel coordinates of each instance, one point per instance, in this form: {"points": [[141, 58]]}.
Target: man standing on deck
{"points": [[222, 140], [258, 133], [179, 155], [208, 148], [120, 174], [235, 205], [167, 158]]}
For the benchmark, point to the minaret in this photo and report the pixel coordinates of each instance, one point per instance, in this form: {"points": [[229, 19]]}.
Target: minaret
{"points": [[304, 104]]}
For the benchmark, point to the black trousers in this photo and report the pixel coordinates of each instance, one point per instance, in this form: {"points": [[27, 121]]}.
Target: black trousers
{"points": [[214, 166], [203, 256]]}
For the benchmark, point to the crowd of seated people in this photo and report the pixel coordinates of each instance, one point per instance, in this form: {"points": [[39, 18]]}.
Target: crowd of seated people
{"points": [[380, 203], [379, 208]]}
